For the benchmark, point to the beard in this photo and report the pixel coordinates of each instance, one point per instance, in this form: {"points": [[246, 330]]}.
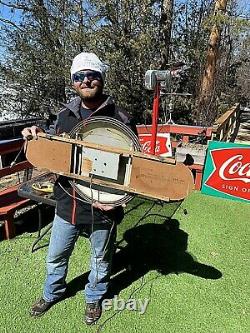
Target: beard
{"points": [[90, 92]]}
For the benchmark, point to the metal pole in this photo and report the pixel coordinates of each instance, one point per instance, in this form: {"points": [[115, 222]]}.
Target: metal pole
{"points": [[155, 115]]}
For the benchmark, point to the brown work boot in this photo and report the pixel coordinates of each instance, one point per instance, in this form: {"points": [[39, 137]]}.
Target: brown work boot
{"points": [[93, 312], [40, 307]]}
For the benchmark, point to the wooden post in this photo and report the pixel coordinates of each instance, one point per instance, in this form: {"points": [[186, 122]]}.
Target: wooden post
{"points": [[9, 226]]}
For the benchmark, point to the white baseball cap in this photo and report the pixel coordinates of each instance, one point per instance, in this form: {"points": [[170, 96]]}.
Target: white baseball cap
{"points": [[86, 60]]}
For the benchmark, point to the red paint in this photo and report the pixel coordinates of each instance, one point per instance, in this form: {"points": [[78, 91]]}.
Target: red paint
{"points": [[176, 129], [155, 118], [162, 144], [231, 174], [73, 218]]}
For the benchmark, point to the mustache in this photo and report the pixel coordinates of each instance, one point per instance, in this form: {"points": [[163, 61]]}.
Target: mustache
{"points": [[90, 84]]}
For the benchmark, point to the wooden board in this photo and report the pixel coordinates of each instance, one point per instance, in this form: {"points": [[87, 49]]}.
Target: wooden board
{"points": [[47, 154], [160, 180], [140, 173], [191, 153]]}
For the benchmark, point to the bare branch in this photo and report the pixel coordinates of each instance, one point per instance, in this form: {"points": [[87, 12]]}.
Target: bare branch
{"points": [[10, 23], [15, 6]]}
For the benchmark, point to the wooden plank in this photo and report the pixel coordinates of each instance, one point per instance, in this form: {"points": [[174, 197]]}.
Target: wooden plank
{"points": [[144, 188], [10, 202], [159, 180], [223, 119], [45, 154], [9, 147], [9, 227], [46, 137], [174, 182]]}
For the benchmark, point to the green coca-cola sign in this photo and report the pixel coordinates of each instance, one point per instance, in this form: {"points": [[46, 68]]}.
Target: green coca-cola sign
{"points": [[227, 171]]}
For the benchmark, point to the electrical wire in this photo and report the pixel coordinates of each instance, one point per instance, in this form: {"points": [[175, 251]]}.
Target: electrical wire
{"points": [[92, 231], [138, 147], [19, 153], [92, 227], [136, 290], [145, 215], [101, 326]]}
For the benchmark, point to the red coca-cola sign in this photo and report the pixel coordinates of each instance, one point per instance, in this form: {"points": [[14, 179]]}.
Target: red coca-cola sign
{"points": [[162, 147], [231, 171]]}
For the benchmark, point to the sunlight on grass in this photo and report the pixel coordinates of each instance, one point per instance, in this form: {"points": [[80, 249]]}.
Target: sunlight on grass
{"points": [[193, 266]]}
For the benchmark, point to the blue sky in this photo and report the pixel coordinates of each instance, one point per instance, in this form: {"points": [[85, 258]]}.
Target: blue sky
{"points": [[14, 16], [5, 12]]}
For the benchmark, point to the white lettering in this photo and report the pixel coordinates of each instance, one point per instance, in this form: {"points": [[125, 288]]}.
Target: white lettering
{"points": [[143, 306], [242, 171], [106, 304], [236, 167], [120, 304], [131, 305], [146, 146], [230, 187]]}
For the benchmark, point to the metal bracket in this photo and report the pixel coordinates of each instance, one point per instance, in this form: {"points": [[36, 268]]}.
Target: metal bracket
{"points": [[104, 164]]}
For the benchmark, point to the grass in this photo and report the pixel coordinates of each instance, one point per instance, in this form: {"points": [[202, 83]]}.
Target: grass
{"points": [[192, 263]]}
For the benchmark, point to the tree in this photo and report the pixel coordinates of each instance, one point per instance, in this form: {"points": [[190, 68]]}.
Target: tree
{"points": [[131, 37], [166, 30], [37, 61], [126, 35], [206, 111]]}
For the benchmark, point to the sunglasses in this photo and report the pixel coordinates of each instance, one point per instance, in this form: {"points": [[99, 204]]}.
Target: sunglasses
{"points": [[91, 76]]}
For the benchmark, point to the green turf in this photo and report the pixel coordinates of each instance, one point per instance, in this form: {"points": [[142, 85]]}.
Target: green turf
{"points": [[194, 268]]}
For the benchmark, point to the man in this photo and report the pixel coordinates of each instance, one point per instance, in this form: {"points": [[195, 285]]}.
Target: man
{"points": [[73, 216]]}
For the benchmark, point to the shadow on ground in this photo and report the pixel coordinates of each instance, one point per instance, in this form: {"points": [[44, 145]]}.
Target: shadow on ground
{"points": [[27, 220], [160, 247], [150, 246]]}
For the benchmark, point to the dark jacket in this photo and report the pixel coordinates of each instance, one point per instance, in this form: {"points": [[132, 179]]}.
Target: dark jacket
{"points": [[68, 206]]}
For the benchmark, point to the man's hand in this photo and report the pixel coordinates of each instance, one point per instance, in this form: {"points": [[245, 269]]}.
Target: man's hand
{"points": [[102, 207], [30, 133]]}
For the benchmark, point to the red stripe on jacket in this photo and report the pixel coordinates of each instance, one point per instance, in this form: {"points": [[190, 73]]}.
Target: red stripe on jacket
{"points": [[73, 217]]}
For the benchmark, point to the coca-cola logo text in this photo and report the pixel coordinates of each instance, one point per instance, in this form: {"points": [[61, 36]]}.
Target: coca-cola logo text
{"points": [[161, 145], [146, 147], [231, 173], [234, 169]]}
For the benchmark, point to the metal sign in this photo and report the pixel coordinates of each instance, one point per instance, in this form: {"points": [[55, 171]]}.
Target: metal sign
{"points": [[227, 171], [162, 147]]}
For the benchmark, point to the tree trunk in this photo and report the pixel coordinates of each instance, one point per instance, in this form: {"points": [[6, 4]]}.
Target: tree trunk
{"points": [[165, 30], [206, 111]]}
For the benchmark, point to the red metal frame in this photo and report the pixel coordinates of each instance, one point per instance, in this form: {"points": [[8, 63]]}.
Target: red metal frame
{"points": [[16, 168], [176, 129], [11, 146], [155, 116], [184, 130]]}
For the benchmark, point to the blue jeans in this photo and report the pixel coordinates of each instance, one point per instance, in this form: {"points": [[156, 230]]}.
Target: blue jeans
{"points": [[63, 237]]}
